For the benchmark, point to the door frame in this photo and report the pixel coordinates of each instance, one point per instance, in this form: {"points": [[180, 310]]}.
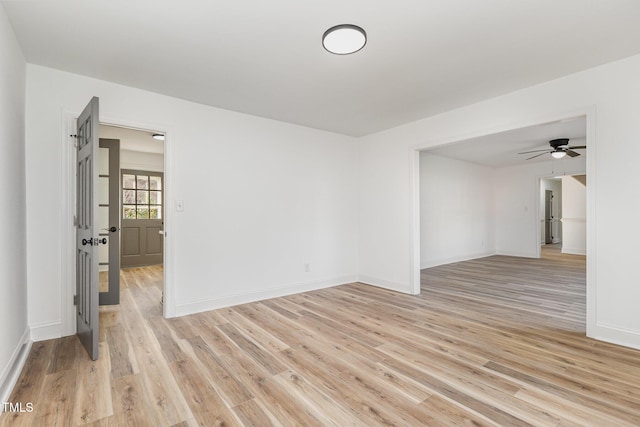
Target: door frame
{"points": [[68, 206], [414, 199]]}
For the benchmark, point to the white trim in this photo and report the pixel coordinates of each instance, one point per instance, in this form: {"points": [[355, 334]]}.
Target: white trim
{"points": [[451, 260], [616, 335], [590, 113], [68, 323], [592, 285], [47, 331], [169, 299], [539, 225], [574, 251], [414, 223], [11, 373], [385, 284], [68, 229], [236, 299], [518, 254]]}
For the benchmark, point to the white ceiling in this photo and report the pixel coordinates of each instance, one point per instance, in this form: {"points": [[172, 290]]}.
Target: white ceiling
{"points": [[265, 58], [501, 149]]}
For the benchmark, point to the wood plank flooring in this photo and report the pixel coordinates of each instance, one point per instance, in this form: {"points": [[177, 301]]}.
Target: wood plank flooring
{"points": [[493, 341]]}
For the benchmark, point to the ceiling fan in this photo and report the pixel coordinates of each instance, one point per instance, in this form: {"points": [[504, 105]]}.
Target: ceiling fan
{"points": [[560, 148]]}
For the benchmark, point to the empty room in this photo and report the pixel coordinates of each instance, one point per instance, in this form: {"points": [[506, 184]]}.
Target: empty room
{"points": [[332, 213]]}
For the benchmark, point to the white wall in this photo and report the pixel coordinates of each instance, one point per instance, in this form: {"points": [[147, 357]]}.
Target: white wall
{"points": [[141, 161], [261, 198], [608, 95], [555, 186], [456, 210], [574, 216], [138, 150], [248, 231], [13, 271], [463, 205], [518, 225]]}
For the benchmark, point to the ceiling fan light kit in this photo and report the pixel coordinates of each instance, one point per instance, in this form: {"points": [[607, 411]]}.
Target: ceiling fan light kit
{"points": [[559, 148]]}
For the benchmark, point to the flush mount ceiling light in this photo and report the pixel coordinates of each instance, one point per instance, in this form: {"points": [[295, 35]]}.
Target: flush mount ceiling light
{"points": [[158, 136], [344, 39]]}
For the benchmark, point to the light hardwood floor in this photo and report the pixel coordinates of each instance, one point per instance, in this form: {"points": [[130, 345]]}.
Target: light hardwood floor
{"points": [[494, 341]]}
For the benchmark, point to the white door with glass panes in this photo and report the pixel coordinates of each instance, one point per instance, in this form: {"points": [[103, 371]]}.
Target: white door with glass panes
{"points": [[142, 218]]}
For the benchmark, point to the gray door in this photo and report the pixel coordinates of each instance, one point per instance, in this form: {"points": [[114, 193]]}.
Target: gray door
{"points": [[87, 241], [109, 221], [142, 213], [548, 217]]}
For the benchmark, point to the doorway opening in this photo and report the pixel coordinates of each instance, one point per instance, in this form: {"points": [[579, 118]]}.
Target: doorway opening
{"points": [[481, 196], [131, 209], [563, 214]]}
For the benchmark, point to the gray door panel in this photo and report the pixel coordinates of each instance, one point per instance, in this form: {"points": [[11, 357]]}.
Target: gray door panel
{"points": [[143, 197], [87, 241]]}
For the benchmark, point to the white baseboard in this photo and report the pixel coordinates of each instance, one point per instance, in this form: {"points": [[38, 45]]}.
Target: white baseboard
{"points": [[13, 369], [574, 251], [450, 260], [385, 284], [46, 331], [236, 299], [615, 335], [517, 254]]}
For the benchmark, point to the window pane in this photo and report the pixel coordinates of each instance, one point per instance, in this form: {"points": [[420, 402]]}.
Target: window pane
{"points": [[142, 197], [155, 183], [155, 197], [103, 190], [103, 161], [103, 254], [128, 181], [128, 197], [129, 212], [143, 212], [103, 277], [155, 212], [103, 217], [143, 182]]}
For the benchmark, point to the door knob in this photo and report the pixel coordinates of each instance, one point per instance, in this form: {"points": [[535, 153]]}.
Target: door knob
{"points": [[94, 241], [111, 229]]}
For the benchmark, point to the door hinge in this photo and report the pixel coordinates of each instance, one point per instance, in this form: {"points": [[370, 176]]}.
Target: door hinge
{"points": [[75, 140], [75, 300], [75, 220]]}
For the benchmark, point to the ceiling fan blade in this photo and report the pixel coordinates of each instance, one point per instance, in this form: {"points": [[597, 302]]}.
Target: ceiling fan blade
{"points": [[534, 151], [571, 153], [576, 147], [538, 155]]}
